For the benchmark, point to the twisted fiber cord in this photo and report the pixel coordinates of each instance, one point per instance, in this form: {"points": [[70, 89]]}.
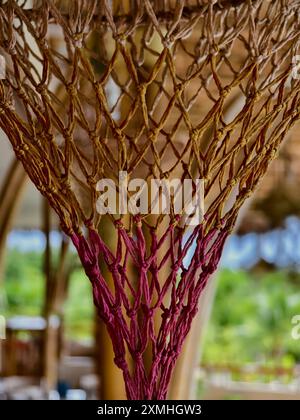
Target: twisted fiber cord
{"points": [[145, 97]]}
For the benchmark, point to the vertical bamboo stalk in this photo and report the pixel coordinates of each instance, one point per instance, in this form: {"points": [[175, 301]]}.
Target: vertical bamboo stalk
{"points": [[111, 378], [10, 197], [184, 384], [50, 354]]}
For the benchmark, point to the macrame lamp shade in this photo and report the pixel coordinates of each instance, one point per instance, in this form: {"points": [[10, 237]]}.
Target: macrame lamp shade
{"points": [[159, 89]]}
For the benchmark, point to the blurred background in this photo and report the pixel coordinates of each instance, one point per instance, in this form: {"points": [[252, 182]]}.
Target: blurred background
{"points": [[245, 343]]}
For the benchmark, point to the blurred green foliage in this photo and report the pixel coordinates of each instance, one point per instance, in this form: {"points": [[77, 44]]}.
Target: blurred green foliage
{"points": [[251, 319], [23, 284], [79, 307], [23, 293]]}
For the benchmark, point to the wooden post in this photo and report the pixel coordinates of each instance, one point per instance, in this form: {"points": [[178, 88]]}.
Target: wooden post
{"points": [[47, 254], [10, 196], [111, 378], [183, 384], [50, 348]]}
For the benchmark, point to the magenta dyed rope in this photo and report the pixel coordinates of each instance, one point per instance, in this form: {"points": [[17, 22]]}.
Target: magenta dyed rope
{"points": [[130, 323]]}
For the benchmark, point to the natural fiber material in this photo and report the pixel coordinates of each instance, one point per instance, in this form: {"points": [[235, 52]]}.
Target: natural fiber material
{"points": [[160, 89]]}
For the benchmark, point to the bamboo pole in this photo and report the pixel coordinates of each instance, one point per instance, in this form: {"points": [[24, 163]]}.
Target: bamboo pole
{"points": [[184, 384], [111, 379], [10, 197], [50, 353], [55, 295]]}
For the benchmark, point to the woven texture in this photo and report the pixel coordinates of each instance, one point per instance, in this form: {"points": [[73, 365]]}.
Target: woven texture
{"points": [[160, 89]]}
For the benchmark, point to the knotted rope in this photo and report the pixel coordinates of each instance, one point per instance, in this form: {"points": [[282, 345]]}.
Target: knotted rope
{"points": [[159, 89]]}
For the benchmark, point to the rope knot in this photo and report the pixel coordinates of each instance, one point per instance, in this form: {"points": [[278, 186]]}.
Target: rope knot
{"points": [[255, 96], [176, 267], [245, 191], [115, 309], [105, 316], [176, 220], [93, 136], [226, 90], [142, 89], [214, 50], [176, 310], [43, 43], [221, 132], [144, 266], [114, 268], [131, 313], [166, 313], [121, 38], [152, 135], [173, 354], [92, 271], [120, 362], [119, 133], [149, 312], [273, 154], [52, 189], [168, 41], [21, 150], [71, 89], [195, 133], [41, 88], [138, 220], [232, 183], [179, 88], [42, 189], [118, 224], [138, 357], [91, 180], [65, 182], [78, 39]]}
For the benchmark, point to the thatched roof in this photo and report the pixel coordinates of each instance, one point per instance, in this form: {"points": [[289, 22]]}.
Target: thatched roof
{"points": [[278, 195], [29, 212]]}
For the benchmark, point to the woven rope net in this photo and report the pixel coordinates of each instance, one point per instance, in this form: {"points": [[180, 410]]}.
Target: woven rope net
{"points": [[159, 89]]}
